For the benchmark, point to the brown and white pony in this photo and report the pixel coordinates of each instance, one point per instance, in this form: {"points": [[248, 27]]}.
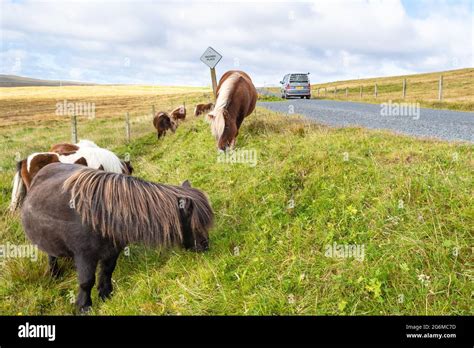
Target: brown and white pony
{"points": [[202, 108], [162, 122], [236, 99], [179, 113], [85, 153]]}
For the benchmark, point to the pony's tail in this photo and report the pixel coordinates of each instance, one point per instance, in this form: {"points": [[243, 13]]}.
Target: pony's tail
{"points": [[18, 192]]}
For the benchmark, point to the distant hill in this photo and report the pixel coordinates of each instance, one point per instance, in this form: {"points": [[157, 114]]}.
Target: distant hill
{"points": [[20, 81]]}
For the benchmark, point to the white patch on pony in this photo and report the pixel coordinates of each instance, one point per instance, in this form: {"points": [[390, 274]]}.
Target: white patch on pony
{"points": [[30, 158], [18, 187], [218, 121], [86, 143], [96, 157]]}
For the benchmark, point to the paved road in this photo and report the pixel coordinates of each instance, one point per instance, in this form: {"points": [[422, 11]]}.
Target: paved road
{"points": [[441, 124]]}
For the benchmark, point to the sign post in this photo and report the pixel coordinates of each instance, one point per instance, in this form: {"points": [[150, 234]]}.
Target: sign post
{"points": [[210, 57]]}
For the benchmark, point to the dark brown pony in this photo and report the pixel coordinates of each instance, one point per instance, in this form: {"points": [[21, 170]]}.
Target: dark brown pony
{"points": [[163, 123], [179, 113], [236, 99], [91, 215], [202, 109]]}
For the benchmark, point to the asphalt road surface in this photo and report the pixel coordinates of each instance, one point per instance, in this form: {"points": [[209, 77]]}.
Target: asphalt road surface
{"points": [[441, 124]]}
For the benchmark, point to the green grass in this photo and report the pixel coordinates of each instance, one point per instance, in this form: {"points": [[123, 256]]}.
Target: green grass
{"points": [[267, 257]]}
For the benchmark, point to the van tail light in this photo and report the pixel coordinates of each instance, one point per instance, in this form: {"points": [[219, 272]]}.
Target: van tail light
{"points": [[309, 85], [288, 86]]}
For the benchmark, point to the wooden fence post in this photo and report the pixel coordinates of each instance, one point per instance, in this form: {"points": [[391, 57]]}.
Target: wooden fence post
{"points": [[360, 92], [440, 88], [153, 111], [127, 126], [375, 91], [318, 91], [347, 92], [325, 90], [214, 82], [335, 91], [404, 88], [74, 128]]}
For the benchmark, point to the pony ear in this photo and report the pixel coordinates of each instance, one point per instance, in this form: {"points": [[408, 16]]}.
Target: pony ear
{"points": [[186, 183], [210, 116], [129, 167], [81, 161]]}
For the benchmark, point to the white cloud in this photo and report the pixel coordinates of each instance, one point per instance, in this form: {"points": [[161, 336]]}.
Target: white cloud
{"points": [[162, 41]]}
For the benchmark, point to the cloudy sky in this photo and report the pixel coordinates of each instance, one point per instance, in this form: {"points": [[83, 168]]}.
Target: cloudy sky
{"points": [[160, 42]]}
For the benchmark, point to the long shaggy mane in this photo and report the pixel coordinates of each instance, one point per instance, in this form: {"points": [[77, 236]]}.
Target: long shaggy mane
{"points": [[127, 209]]}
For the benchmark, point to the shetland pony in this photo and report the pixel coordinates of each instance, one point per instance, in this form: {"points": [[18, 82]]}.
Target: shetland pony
{"points": [[202, 108], [162, 122], [91, 215], [236, 99], [179, 113], [85, 153], [84, 147]]}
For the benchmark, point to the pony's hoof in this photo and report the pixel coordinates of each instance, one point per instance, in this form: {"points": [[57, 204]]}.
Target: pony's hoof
{"points": [[104, 295], [84, 310]]}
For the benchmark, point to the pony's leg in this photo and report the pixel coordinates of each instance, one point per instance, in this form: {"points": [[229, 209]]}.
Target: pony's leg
{"points": [[86, 267], [107, 267], [53, 266], [232, 143]]}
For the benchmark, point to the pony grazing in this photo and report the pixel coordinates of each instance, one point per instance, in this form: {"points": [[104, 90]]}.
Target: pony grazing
{"points": [[179, 113], [236, 99], [162, 123], [91, 215], [85, 153], [202, 108]]}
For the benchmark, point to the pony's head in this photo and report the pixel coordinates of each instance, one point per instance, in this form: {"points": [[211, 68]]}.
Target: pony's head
{"points": [[195, 237], [223, 129]]}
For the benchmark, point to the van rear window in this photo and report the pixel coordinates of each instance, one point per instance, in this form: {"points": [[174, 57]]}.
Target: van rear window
{"points": [[299, 78]]}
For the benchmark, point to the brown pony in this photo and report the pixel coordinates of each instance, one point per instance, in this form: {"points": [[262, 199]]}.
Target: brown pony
{"points": [[179, 113], [236, 99], [162, 123], [202, 108]]}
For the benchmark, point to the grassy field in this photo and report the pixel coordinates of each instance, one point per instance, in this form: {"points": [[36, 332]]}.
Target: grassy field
{"points": [[408, 202], [458, 89], [27, 104]]}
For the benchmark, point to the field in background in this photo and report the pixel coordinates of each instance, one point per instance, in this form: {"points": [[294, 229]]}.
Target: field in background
{"points": [[27, 104], [409, 202], [458, 90]]}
